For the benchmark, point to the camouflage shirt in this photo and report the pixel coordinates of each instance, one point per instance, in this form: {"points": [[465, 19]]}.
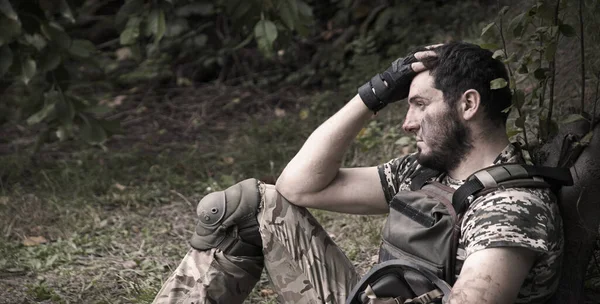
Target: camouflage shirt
{"points": [[514, 217]]}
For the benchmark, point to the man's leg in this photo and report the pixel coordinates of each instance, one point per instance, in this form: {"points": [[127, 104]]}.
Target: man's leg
{"points": [[304, 264], [211, 276]]}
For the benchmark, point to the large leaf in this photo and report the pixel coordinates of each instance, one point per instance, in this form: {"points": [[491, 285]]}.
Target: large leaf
{"points": [[6, 59], [9, 30], [265, 33], [567, 30], [38, 117], [64, 108], [82, 48], [131, 32], [8, 10], [126, 11], [111, 126], [485, 30], [288, 11], [28, 69], [50, 59], [65, 11], [156, 24], [57, 35], [91, 131], [572, 118]]}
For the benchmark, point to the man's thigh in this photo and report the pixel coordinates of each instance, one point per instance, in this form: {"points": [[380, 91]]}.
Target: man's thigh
{"points": [[304, 263]]}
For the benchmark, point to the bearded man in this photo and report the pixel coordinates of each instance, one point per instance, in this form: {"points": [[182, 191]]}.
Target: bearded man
{"points": [[511, 240]]}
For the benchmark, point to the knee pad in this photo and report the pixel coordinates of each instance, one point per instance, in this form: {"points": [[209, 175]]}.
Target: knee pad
{"points": [[227, 220]]}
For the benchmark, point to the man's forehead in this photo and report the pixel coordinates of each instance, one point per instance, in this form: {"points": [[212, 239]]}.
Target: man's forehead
{"points": [[423, 85]]}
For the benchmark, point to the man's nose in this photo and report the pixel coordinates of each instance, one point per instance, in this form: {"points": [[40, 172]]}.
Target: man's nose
{"points": [[410, 124]]}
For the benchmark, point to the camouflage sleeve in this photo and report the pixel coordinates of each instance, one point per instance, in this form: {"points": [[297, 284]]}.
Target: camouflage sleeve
{"points": [[513, 217], [393, 173]]}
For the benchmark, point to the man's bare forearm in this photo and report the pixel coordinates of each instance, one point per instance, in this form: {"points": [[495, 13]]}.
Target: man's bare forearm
{"points": [[318, 161]]}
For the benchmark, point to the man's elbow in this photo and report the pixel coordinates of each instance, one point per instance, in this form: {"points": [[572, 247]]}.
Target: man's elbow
{"points": [[288, 191]]}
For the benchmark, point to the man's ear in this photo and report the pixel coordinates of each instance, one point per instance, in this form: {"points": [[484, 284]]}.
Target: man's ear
{"points": [[470, 104]]}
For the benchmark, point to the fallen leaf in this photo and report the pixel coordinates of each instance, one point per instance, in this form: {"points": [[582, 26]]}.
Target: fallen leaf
{"points": [[229, 160], [120, 187], [129, 264], [34, 241], [279, 112], [123, 53]]}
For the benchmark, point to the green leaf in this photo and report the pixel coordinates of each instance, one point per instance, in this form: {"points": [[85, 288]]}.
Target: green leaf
{"points": [[383, 19], [512, 132], [498, 83], [28, 69], [545, 11], [304, 9], [550, 51], [572, 118], [503, 11], [523, 69], [64, 108], [517, 25], [8, 10], [156, 24], [10, 29], [57, 35], [498, 54], [126, 11], [6, 59], [489, 46], [65, 11], [540, 73], [98, 109], [131, 32], [50, 59], [567, 30], [520, 122], [587, 138], [91, 131], [202, 9], [265, 33], [38, 117], [82, 48], [111, 126], [288, 11], [487, 28]]}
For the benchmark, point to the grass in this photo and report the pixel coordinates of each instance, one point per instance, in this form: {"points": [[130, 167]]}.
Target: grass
{"points": [[81, 224], [84, 224]]}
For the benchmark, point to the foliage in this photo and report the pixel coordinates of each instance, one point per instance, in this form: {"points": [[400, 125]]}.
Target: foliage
{"points": [[528, 44]]}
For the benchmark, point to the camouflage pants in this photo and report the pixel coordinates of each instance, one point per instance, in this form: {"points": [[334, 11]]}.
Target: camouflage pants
{"points": [[303, 262]]}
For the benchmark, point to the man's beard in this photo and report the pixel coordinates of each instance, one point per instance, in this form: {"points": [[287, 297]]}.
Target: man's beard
{"points": [[448, 139]]}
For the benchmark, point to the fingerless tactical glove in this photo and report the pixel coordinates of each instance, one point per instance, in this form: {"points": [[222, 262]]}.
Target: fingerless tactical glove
{"points": [[376, 94]]}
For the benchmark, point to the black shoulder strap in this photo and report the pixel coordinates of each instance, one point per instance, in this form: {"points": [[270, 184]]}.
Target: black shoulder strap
{"points": [[510, 175], [421, 176]]}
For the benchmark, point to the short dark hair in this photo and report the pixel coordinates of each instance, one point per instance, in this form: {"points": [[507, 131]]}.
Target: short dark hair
{"points": [[460, 66]]}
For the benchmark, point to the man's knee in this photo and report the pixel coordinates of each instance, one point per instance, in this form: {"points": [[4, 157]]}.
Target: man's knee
{"points": [[227, 220]]}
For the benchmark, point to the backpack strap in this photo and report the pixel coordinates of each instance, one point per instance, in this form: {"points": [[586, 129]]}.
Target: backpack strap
{"points": [[421, 176], [510, 175]]}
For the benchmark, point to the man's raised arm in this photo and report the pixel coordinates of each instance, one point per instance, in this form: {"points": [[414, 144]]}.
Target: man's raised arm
{"points": [[314, 177]]}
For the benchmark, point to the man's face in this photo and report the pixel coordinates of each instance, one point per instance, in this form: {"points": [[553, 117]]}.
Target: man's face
{"points": [[443, 139]]}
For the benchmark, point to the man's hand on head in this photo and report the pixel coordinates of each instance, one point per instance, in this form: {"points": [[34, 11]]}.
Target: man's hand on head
{"points": [[393, 84]]}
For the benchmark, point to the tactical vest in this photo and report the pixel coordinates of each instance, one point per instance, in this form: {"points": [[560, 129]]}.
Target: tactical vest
{"points": [[423, 229]]}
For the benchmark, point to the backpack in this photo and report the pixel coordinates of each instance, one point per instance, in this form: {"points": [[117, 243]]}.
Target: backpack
{"points": [[581, 218]]}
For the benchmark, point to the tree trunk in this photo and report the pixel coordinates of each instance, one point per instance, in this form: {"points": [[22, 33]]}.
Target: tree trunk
{"points": [[580, 207]]}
